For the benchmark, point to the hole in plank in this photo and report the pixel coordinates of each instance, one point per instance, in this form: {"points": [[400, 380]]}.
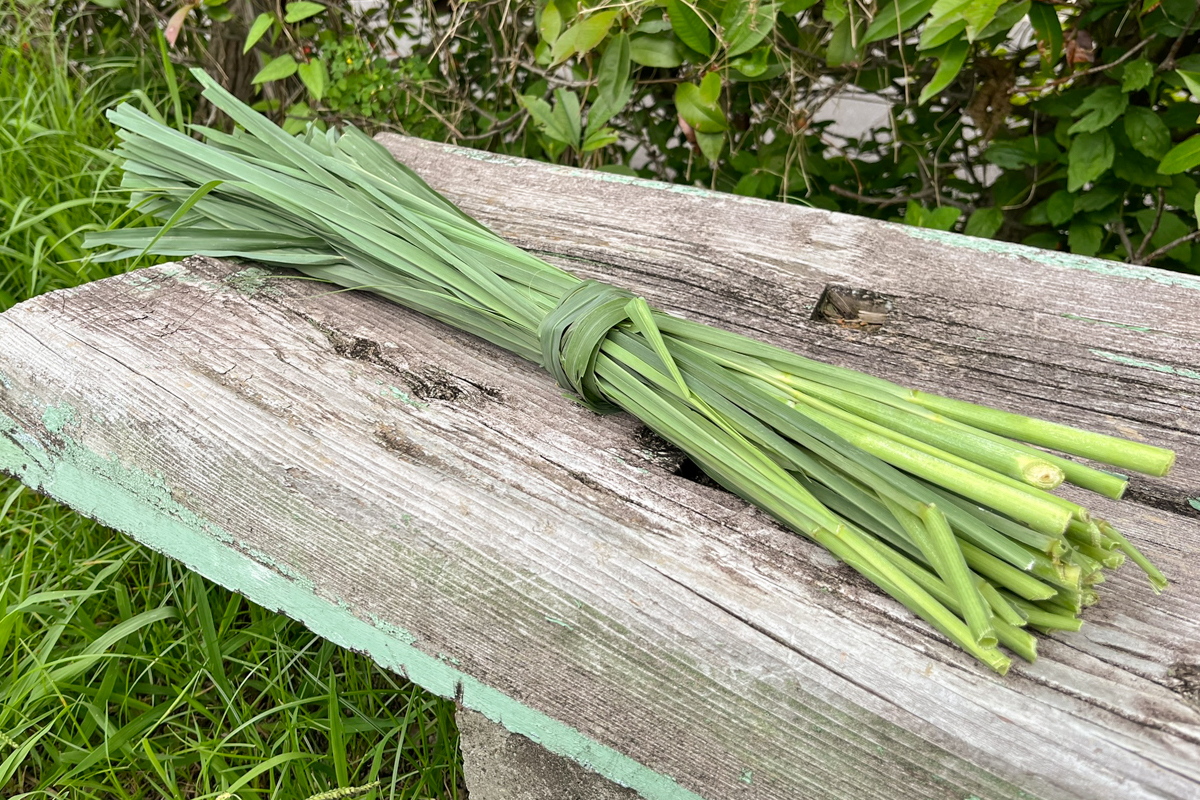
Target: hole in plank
{"points": [[689, 470], [849, 307]]}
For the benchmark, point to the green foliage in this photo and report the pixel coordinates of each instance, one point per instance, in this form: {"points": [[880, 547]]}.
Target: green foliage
{"points": [[126, 676], [996, 105]]}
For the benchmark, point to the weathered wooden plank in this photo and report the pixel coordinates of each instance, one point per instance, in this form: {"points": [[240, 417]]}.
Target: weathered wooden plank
{"points": [[413, 492]]}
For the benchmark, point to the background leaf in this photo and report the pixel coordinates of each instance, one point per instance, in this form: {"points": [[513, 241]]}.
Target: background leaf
{"points": [[1182, 157], [1191, 80], [1147, 132], [711, 144], [1084, 238], [984, 222], [950, 62], [278, 68], [302, 10], [1100, 109], [550, 23], [1044, 19], [262, 23], [702, 114], [690, 27], [1060, 207], [885, 25], [1136, 75], [554, 126], [612, 74], [978, 15], [655, 51], [315, 77], [1091, 155], [583, 36], [750, 30]]}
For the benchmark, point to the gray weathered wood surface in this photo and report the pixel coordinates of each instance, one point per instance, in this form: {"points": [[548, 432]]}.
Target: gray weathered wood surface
{"points": [[423, 481]]}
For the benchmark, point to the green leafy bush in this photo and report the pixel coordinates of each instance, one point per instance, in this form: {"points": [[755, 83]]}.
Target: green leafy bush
{"points": [[1068, 126]]}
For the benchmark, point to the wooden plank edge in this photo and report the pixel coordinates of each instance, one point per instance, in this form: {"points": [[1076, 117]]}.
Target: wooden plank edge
{"points": [[1049, 258], [142, 507]]}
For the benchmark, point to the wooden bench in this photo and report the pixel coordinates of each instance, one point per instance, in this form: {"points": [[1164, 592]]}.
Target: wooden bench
{"points": [[409, 491]]}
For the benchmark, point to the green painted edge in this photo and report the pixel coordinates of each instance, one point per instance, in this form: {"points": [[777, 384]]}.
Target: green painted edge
{"points": [[592, 174], [141, 506], [1142, 364], [1051, 258]]}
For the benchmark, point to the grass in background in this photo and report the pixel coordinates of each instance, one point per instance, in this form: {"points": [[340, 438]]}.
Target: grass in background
{"points": [[122, 674]]}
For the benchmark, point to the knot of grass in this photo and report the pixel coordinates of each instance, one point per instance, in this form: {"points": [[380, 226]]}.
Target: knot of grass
{"points": [[571, 336]]}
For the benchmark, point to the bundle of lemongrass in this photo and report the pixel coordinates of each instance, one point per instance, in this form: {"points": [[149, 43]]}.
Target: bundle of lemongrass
{"points": [[943, 504]]}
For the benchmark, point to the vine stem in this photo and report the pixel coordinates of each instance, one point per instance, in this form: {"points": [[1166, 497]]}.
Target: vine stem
{"points": [[1089, 71], [1169, 246]]}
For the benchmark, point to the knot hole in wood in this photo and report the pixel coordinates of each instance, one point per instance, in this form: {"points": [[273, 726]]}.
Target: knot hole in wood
{"points": [[849, 307]]}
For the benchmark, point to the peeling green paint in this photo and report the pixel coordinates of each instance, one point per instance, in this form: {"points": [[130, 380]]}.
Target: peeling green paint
{"points": [[645, 183], [403, 397], [1143, 364], [605, 177], [1052, 258], [143, 507], [252, 281], [179, 272], [55, 418]]}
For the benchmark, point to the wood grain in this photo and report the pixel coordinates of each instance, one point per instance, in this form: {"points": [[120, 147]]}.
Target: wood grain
{"points": [[427, 481]]}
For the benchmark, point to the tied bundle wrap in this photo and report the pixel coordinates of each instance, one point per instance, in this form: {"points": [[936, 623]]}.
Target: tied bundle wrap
{"points": [[571, 336]]}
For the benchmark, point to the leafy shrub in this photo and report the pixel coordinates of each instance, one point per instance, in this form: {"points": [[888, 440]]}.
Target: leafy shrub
{"points": [[1065, 126]]}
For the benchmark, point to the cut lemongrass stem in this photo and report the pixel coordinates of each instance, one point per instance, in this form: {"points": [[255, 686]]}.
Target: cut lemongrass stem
{"points": [[1045, 619], [1004, 477], [1157, 580], [975, 608], [888, 528], [728, 391], [911, 493], [931, 533], [1009, 634], [994, 455], [1053, 546], [1112, 559], [1060, 573], [884, 573], [1084, 533], [1100, 447], [1005, 575], [1039, 514], [1105, 483], [1012, 473], [1084, 562], [1016, 639], [1001, 608]]}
